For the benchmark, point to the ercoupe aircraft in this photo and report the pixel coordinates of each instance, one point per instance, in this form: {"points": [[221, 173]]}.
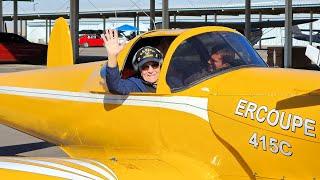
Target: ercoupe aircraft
{"points": [[244, 121], [256, 31], [297, 34]]}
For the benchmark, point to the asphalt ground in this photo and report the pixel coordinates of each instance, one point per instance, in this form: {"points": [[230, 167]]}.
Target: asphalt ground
{"points": [[16, 143]]}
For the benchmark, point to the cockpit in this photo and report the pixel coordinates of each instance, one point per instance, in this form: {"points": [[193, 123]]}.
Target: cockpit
{"points": [[206, 55], [198, 58]]}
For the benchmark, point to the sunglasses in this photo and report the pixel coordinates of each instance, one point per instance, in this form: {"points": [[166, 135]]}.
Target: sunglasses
{"points": [[146, 66]]}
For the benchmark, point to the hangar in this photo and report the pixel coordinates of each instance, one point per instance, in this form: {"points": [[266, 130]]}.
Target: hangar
{"points": [[288, 9]]}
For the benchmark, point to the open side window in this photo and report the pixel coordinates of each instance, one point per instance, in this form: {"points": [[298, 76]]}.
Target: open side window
{"points": [[160, 42]]}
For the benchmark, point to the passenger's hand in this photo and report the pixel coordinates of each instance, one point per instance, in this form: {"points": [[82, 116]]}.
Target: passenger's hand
{"points": [[111, 43]]}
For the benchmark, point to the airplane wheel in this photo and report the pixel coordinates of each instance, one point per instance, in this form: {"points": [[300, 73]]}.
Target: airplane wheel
{"points": [[85, 45]]}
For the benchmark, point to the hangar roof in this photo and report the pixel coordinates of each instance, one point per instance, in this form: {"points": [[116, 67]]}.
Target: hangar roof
{"points": [[230, 10]]}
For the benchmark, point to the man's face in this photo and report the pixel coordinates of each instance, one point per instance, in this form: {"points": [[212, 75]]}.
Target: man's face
{"points": [[217, 61], [150, 72]]}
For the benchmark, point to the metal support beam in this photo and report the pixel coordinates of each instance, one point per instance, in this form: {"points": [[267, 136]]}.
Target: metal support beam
{"points": [[174, 18], [74, 26], [165, 14], [49, 28], [215, 17], [5, 29], [138, 24], [15, 16], [1, 16], [104, 24], [205, 18], [288, 35], [260, 19], [311, 28], [20, 27], [46, 31], [248, 19], [25, 29], [152, 14]]}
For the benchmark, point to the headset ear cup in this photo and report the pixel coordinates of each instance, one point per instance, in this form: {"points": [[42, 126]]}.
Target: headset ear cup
{"points": [[160, 62], [160, 54]]}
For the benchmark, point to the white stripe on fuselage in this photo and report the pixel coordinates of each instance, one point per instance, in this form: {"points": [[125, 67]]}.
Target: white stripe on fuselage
{"points": [[193, 105], [56, 167], [40, 170]]}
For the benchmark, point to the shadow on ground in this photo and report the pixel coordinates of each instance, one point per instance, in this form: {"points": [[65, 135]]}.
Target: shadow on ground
{"points": [[22, 148]]}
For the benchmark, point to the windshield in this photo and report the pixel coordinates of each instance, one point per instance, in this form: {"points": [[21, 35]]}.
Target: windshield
{"points": [[206, 55]]}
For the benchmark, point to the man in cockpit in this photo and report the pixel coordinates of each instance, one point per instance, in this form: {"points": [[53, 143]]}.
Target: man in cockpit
{"points": [[146, 62], [220, 59]]}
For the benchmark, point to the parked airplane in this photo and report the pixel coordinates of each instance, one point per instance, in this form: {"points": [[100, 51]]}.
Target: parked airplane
{"points": [[243, 121], [297, 34], [256, 31]]}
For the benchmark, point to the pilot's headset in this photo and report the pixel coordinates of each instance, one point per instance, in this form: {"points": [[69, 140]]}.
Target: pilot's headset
{"points": [[144, 55]]}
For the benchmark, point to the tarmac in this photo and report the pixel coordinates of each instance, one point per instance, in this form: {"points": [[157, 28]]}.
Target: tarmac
{"points": [[16, 143]]}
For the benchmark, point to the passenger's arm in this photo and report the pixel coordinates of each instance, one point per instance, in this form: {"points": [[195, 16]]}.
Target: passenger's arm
{"points": [[118, 85]]}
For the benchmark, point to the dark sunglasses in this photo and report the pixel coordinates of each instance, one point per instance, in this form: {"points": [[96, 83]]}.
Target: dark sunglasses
{"points": [[146, 66]]}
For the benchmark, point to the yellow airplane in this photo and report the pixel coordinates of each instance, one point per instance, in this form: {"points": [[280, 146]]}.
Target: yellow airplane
{"points": [[243, 121]]}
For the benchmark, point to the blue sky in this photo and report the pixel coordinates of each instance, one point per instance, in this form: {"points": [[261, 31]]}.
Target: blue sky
{"points": [[44, 6]]}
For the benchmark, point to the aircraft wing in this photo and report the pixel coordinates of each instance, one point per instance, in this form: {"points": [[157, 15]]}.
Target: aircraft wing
{"points": [[267, 38], [89, 169], [54, 168], [235, 25], [125, 166], [313, 30]]}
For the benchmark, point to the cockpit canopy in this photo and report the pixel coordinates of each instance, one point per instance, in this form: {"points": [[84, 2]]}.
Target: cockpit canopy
{"points": [[206, 55]]}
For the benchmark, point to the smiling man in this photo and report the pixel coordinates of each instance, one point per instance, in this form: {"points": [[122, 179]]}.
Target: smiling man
{"points": [[147, 61]]}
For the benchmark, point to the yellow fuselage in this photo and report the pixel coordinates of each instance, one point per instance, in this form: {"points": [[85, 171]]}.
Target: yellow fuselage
{"points": [[246, 123]]}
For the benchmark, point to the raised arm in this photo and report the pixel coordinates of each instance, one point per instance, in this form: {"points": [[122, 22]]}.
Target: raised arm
{"points": [[111, 43]]}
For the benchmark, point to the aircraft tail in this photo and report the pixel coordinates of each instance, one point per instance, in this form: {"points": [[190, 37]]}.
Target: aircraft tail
{"points": [[296, 30], [60, 52]]}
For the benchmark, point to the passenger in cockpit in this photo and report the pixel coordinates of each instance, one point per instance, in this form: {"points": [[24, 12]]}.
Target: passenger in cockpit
{"points": [[220, 58]]}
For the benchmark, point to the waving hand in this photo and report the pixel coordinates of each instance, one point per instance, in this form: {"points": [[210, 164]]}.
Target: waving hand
{"points": [[111, 43]]}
